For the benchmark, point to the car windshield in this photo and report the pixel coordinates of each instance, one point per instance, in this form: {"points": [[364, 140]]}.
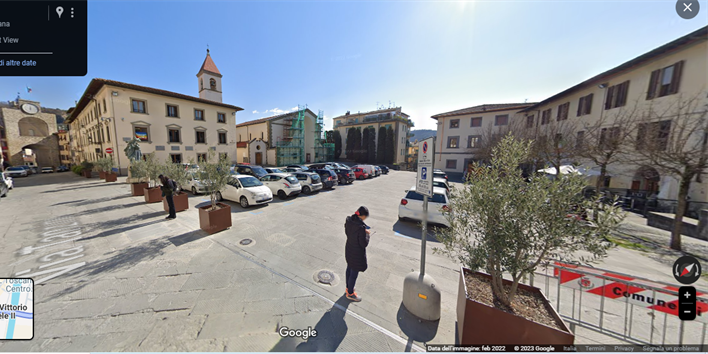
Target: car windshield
{"points": [[437, 198], [315, 178], [291, 179], [250, 182], [15, 169], [259, 171], [275, 170], [439, 184]]}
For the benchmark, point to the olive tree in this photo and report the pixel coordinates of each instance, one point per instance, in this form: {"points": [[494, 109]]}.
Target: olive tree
{"points": [[153, 169], [502, 222], [138, 170], [214, 174], [176, 172]]}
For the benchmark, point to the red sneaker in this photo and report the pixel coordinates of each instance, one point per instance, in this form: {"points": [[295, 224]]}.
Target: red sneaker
{"points": [[354, 297]]}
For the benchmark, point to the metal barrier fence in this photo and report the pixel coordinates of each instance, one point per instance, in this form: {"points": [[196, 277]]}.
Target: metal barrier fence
{"points": [[633, 304]]}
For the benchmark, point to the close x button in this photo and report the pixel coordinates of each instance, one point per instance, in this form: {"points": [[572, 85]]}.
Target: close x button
{"points": [[687, 303]]}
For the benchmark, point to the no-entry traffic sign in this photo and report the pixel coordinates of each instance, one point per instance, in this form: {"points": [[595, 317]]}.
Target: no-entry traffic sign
{"points": [[109, 150]]}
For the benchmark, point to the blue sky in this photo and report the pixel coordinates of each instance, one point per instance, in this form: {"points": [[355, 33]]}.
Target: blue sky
{"points": [[426, 56]]}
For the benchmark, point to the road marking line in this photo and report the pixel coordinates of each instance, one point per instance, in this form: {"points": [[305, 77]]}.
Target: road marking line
{"points": [[287, 203], [400, 235], [23, 272], [256, 213], [340, 307]]}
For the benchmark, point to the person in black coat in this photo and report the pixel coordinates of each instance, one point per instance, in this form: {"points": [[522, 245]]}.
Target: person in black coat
{"points": [[169, 187], [355, 250]]}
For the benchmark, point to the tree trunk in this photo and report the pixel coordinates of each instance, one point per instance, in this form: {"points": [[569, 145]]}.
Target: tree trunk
{"points": [[601, 178], [680, 211]]}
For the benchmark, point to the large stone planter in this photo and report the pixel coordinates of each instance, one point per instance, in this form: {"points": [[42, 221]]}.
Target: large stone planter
{"points": [[181, 200], [102, 174], [110, 177], [213, 221], [152, 195], [86, 173], [478, 323], [138, 189]]}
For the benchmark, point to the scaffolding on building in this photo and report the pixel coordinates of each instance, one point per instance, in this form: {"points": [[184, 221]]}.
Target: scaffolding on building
{"points": [[324, 151], [291, 150]]}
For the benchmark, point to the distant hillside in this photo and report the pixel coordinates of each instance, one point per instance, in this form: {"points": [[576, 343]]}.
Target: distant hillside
{"points": [[421, 134]]}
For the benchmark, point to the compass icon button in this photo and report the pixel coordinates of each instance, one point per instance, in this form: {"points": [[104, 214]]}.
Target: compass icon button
{"points": [[686, 270]]}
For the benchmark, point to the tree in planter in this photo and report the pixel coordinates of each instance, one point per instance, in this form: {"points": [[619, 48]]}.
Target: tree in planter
{"points": [[214, 174], [87, 165], [504, 223], [381, 146], [152, 170], [674, 140], [337, 137], [138, 169], [176, 172]]}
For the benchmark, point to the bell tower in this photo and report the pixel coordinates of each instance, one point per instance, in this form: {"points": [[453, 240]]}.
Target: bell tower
{"points": [[209, 80]]}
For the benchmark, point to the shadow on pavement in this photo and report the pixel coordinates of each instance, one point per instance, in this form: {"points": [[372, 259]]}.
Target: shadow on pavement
{"points": [[187, 237], [125, 224], [102, 209], [82, 202], [412, 229], [61, 180], [92, 185], [331, 330], [416, 329]]}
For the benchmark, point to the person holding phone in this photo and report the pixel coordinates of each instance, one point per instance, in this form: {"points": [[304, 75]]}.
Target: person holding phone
{"points": [[355, 250]]}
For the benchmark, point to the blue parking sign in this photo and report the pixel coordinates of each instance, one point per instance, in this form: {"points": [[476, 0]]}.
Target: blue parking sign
{"points": [[424, 173]]}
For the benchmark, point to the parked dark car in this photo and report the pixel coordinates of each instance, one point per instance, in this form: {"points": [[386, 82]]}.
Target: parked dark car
{"points": [[345, 175], [378, 171], [320, 166], [63, 168], [329, 178], [384, 169], [253, 170], [301, 167]]}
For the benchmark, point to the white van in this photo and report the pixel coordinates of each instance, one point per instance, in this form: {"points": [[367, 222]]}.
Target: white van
{"points": [[369, 169]]}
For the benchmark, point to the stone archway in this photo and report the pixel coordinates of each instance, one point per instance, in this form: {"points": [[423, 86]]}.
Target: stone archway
{"points": [[646, 178], [41, 155]]}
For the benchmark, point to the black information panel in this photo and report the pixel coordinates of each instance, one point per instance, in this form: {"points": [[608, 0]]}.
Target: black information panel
{"points": [[43, 38]]}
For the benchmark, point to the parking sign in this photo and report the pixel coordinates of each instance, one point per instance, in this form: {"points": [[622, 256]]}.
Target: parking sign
{"points": [[424, 183]]}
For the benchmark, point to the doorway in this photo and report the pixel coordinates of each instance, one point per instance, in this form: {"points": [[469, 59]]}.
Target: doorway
{"points": [[259, 158], [307, 158]]}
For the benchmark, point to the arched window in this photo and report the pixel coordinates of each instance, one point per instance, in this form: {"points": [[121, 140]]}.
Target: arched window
{"points": [[212, 83], [32, 126]]}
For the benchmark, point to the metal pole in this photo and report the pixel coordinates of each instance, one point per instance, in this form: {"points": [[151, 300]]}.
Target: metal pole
{"points": [[423, 236]]}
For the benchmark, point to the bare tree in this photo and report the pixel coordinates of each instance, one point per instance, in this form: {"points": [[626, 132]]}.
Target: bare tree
{"points": [[605, 141], [553, 144], [673, 140]]}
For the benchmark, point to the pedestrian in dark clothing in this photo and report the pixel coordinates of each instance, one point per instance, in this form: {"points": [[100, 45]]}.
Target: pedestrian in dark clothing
{"points": [[168, 189], [355, 250]]}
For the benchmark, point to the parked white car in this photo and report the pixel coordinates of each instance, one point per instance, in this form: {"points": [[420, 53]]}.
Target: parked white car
{"points": [[8, 180], [411, 206], [17, 171], [283, 185], [246, 190], [47, 170], [442, 183], [194, 184], [310, 181]]}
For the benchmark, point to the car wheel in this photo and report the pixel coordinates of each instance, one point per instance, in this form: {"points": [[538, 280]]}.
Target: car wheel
{"points": [[194, 190], [306, 190], [219, 197], [244, 202], [282, 195]]}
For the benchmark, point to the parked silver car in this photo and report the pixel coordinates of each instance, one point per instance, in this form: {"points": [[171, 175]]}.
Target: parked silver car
{"points": [[310, 181]]}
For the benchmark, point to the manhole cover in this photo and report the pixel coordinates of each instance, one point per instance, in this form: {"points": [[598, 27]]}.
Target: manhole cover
{"points": [[325, 277], [246, 241]]}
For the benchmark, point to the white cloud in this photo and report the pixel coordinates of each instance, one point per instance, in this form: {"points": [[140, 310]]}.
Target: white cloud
{"points": [[254, 112], [294, 108]]}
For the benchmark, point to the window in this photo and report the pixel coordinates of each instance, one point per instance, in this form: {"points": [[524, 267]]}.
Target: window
{"points": [[172, 111], [31, 132], [546, 117], [176, 158], [198, 114], [222, 138], [141, 133], [501, 119], [609, 137], [223, 156], [562, 113], [173, 136], [451, 164], [453, 142], [212, 84], [580, 139], [139, 106], [616, 95], [473, 141], [201, 157], [584, 105], [529, 121], [221, 118], [200, 137], [665, 81], [476, 122], [655, 135], [454, 123], [108, 134]]}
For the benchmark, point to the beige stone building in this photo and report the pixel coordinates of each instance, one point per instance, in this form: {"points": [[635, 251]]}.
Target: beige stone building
{"points": [[285, 139], [390, 117], [169, 125], [462, 133], [28, 134], [651, 85]]}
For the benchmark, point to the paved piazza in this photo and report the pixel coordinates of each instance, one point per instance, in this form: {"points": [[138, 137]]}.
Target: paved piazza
{"points": [[111, 274]]}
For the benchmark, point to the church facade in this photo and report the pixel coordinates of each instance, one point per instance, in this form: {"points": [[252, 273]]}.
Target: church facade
{"points": [[172, 126]]}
